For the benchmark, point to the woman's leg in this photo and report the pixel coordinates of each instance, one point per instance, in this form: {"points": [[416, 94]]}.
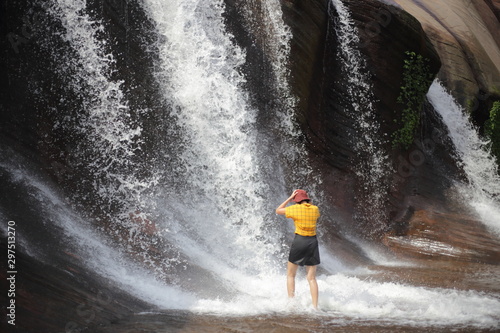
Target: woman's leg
{"points": [[290, 279], [313, 285]]}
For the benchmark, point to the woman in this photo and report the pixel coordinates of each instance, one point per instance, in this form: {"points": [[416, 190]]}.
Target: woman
{"points": [[304, 249]]}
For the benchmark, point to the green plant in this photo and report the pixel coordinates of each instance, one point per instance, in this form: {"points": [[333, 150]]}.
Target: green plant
{"points": [[416, 80], [471, 106], [492, 129]]}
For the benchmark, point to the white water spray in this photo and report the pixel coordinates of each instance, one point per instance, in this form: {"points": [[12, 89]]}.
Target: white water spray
{"points": [[344, 299], [274, 37], [111, 138], [483, 190], [375, 167], [220, 209]]}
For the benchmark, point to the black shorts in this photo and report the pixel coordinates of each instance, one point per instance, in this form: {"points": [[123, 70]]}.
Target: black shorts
{"points": [[304, 251]]}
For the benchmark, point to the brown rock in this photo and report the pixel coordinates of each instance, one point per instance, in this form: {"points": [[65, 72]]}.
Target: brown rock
{"points": [[445, 236], [466, 36]]}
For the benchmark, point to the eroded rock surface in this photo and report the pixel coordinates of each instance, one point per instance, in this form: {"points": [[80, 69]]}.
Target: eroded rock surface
{"points": [[466, 35]]}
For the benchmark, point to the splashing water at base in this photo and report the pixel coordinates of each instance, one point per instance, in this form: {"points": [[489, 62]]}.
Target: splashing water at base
{"points": [[483, 190], [343, 298]]}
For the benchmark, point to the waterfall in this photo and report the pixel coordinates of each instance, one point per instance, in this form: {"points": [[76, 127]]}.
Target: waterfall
{"points": [[220, 213], [214, 245], [483, 189], [266, 18], [373, 166], [110, 136], [344, 299], [273, 38]]}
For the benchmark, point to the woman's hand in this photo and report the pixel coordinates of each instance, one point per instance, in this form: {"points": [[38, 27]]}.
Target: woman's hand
{"points": [[281, 208], [292, 196]]}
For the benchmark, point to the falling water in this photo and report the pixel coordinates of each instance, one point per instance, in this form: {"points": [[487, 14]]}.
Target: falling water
{"points": [[345, 299], [483, 189], [110, 137], [220, 216], [373, 167], [276, 37], [273, 37]]}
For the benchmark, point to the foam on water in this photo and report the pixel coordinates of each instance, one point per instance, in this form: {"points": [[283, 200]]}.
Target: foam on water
{"points": [[357, 298], [483, 189], [341, 295]]}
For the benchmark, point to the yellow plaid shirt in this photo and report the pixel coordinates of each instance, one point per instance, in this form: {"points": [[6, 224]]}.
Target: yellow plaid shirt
{"points": [[304, 216]]}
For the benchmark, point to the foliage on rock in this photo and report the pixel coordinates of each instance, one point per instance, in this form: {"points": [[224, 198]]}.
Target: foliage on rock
{"points": [[492, 130], [417, 78]]}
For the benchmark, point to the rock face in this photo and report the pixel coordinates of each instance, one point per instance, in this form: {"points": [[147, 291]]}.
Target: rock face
{"points": [[423, 175], [330, 124], [444, 236], [63, 297], [467, 39]]}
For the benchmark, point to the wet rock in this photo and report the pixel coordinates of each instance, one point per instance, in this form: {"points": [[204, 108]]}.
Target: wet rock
{"points": [[331, 126], [58, 294], [444, 236], [466, 37]]}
